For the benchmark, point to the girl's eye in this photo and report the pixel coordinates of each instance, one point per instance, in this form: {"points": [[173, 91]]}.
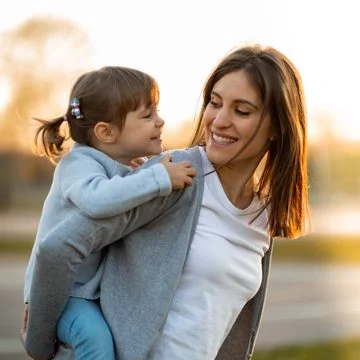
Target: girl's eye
{"points": [[148, 115], [153, 111]]}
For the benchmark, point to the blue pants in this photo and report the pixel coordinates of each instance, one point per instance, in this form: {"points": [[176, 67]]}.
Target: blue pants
{"points": [[82, 326]]}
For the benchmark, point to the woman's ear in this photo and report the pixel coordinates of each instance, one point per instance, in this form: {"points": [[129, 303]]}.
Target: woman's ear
{"points": [[273, 136], [105, 132]]}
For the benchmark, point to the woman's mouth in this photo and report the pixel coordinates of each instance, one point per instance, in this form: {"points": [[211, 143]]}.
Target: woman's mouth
{"points": [[223, 140]]}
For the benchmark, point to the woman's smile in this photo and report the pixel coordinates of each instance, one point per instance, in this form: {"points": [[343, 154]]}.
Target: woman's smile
{"points": [[223, 140]]}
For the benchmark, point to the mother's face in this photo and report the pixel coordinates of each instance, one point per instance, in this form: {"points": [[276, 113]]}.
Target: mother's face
{"points": [[231, 118]]}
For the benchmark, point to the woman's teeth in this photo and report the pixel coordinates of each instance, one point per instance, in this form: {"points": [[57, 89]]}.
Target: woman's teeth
{"points": [[223, 140]]}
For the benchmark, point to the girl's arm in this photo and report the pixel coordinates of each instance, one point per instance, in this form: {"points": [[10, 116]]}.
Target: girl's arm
{"points": [[86, 184]]}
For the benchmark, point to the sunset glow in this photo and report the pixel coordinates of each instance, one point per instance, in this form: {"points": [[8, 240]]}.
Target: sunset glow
{"points": [[4, 92], [179, 43]]}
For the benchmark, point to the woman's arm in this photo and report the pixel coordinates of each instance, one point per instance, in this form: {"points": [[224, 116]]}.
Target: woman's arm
{"points": [[58, 259]]}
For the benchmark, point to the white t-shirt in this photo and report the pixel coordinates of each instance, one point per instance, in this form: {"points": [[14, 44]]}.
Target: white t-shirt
{"points": [[222, 272]]}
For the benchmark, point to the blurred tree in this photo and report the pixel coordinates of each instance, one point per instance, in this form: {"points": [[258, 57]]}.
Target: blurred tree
{"points": [[6, 179], [39, 61], [179, 136]]}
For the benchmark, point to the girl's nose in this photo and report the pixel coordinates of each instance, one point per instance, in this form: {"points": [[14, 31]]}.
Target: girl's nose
{"points": [[159, 121]]}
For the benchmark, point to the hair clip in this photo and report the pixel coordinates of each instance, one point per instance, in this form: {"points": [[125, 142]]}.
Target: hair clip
{"points": [[75, 108]]}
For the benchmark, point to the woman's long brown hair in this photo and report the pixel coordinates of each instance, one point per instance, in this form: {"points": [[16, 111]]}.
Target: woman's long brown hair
{"points": [[283, 182]]}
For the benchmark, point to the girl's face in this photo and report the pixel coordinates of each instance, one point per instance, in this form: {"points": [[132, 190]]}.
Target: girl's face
{"points": [[231, 118], [141, 134]]}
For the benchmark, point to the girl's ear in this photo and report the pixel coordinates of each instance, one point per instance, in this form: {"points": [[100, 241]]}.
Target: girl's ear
{"points": [[105, 132]]}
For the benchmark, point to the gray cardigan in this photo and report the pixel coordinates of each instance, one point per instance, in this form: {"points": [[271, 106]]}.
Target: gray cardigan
{"points": [[88, 181], [140, 276]]}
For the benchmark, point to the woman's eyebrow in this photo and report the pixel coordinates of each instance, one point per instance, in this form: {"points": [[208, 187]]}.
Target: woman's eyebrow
{"points": [[243, 101], [237, 101]]}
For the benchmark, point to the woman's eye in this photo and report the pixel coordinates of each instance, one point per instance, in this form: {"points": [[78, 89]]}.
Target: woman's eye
{"points": [[242, 113], [214, 104]]}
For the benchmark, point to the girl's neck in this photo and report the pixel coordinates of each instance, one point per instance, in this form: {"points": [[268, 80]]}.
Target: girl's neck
{"points": [[112, 152]]}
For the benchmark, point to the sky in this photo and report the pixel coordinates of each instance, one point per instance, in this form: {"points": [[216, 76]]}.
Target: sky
{"points": [[179, 43]]}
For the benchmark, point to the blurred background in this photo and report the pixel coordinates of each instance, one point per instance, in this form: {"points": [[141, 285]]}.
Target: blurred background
{"points": [[313, 306]]}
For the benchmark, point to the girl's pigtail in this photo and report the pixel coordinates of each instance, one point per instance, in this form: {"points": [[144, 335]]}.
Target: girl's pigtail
{"points": [[49, 139]]}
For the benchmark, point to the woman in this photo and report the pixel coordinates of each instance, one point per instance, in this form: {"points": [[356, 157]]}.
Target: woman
{"points": [[188, 279]]}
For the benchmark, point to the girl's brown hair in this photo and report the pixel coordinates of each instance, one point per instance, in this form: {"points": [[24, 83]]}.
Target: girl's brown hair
{"points": [[107, 95], [283, 182]]}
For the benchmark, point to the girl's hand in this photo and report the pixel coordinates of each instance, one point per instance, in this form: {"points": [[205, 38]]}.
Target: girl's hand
{"points": [[181, 173], [23, 329]]}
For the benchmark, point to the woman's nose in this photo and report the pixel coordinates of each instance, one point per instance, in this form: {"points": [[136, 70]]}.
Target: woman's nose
{"points": [[221, 118]]}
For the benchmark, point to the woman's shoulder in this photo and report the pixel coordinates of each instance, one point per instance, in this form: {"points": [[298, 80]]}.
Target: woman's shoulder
{"points": [[188, 154]]}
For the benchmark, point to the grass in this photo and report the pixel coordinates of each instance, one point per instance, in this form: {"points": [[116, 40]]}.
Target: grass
{"points": [[339, 249], [344, 249], [339, 350], [21, 245]]}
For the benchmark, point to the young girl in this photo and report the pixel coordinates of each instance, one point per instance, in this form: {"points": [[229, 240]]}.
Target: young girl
{"points": [[112, 118]]}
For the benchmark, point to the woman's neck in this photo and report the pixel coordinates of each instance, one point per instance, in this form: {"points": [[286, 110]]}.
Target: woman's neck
{"points": [[238, 185]]}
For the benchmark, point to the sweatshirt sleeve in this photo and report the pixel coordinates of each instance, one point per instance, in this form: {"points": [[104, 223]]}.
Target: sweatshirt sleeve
{"points": [[58, 260], [85, 183]]}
